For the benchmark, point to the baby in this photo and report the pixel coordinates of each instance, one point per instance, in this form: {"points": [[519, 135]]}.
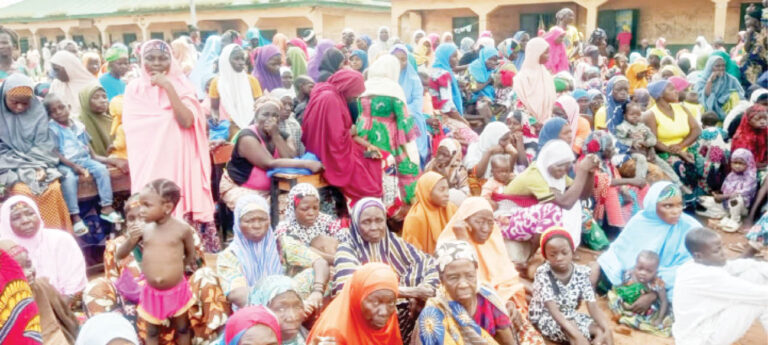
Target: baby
{"points": [[641, 280], [168, 248], [501, 169]]}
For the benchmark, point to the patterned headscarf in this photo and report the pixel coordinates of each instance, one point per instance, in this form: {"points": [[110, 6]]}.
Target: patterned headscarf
{"points": [[269, 288], [153, 45], [669, 192], [745, 183], [450, 251], [324, 225]]}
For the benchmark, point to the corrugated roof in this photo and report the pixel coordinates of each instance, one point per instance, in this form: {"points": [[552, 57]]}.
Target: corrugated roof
{"points": [[37, 10]]}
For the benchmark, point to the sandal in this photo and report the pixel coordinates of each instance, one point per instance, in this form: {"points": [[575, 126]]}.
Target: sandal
{"points": [[80, 228], [729, 225], [113, 217]]}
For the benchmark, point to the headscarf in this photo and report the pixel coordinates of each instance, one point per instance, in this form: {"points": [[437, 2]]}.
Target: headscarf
{"points": [[494, 267], [680, 83], [434, 39], [116, 52], [258, 259], [422, 52], [88, 56], [22, 317], [442, 61], [290, 225], [297, 59], [557, 152], [97, 125], [533, 84], [101, 329], [414, 41], [731, 67], [754, 140], [488, 139], [614, 110], [425, 221], [634, 57], [447, 37], [367, 39], [451, 251], [757, 94], [79, 78], [742, 184], [379, 47], [184, 53], [551, 130], [647, 231], [721, 89], [298, 43], [634, 82], [558, 58], [521, 54], [702, 47], [466, 45], [363, 56], [656, 89], [281, 42], [325, 129], [343, 318], [235, 90], [254, 33], [268, 79], [270, 287], [382, 79], [204, 68], [480, 73], [313, 68], [411, 83], [552, 233], [332, 59], [247, 317], [571, 108]]}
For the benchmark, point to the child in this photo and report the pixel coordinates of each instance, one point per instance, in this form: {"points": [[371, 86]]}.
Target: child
{"points": [[642, 279], [303, 86], [738, 191], [558, 288], [638, 137], [692, 103], [77, 159], [501, 169], [286, 75], [118, 148], [168, 249]]}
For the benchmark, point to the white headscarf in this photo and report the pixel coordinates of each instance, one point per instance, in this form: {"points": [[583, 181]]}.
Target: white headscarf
{"points": [[379, 47], [383, 76], [235, 91], [556, 152], [79, 78], [488, 139], [105, 327]]}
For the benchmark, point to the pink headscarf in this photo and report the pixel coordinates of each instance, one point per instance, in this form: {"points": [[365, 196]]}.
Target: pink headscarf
{"points": [[571, 108], [558, 59], [159, 148], [534, 85], [434, 39]]}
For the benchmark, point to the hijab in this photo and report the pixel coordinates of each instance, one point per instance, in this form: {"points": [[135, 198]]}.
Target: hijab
{"points": [[103, 328], [313, 68], [270, 287], [247, 317], [298, 60], [731, 67], [614, 110], [558, 58], [521, 54], [443, 55], [571, 108], [183, 52], [343, 318], [22, 324], [558, 152], [466, 45], [534, 84], [205, 67], [235, 90], [98, 126], [79, 78], [298, 43], [481, 74], [269, 80], [721, 89], [332, 59], [363, 56], [258, 258], [488, 139], [383, 78], [423, 52], [425, 220], [379, 47], [551, 130], [290, 224], [634, 82], [754, 140], [411, 83], [745, 183]]}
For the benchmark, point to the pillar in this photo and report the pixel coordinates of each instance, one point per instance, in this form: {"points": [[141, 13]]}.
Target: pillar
{"points": [[35, 44], [721, 11], [591, 20], [316, 17], [144, 31], [482, 12]]}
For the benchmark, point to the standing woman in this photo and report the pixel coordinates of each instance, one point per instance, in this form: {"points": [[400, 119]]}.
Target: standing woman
{"points": [[71, 78], [233, 91], [414, 96], [313, 68], [718, 91], [163, 101], [267, 67], [333, 60], [205, 68], [297, 59], [534, 84], [380, 46], [558, 57]]}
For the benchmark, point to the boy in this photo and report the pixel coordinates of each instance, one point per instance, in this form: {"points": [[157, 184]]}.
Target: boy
{"points": [[716, 301], [501, 169]]}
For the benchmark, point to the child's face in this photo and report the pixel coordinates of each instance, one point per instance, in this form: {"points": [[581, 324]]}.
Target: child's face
{"points": [[608, 151], [59, 112], [237, 60], [759, 121], [712, 253], [355, 62], [738, 165], [306, 88], [99, 103], [514, 125], [439, 195], [93, 66], [443, 156], [287, 78], [501, 171], [559, 254], [132, 215], [153, 207], [22, 258], [646, 269], [18, 103], [633, 115], [307, 210]]}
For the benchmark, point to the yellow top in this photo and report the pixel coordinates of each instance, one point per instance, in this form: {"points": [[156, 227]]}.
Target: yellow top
{"points": [[213, 89], [600, 118], [671, 131]]}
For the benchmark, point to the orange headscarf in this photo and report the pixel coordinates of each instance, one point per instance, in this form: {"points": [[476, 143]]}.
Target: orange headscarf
{"points": [[493, 264], [343, 319], [281, 42], [425, 221], [634, 82]]}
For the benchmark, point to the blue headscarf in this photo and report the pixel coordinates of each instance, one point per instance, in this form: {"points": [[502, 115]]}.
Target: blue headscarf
{"points": [[414, 96], [442, 61], [579, 93], [255, 33], [269, 287], [203, 70], [721, 90], [614, 111], [363, 56], [367, 40], [520, 55], [551, 130], [258, 259], [481, 73], [646, 231]]}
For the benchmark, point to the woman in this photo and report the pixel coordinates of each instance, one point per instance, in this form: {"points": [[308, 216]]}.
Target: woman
{"points": [[22, 325], [358, 60], [423, 53], [233, 91], [299, 43], [637, 76], [266, 68], [184, 53], [163, 101], [281, 42], [253, 325], [534, 85], [120, 331], [661, 228], [370, 241], [26, 151], [313, 68], [446, 94], [580, 128], [97, 125], [473, 223], [554, 128], [255, 253], [480, 74], [326, 133], [277, 292], [558, 57], [304, 221], [363, 313], [205, 67], [718, 91], [384, 123], [333, 60], [465, 312], [413, 88], [612, 113], [522, 38], [415, 39], [71, 78], [8, 66], [448, 162], [297, 59], [752, 134], [54, 253], [495, 139], [380, 46], [430, 212]]}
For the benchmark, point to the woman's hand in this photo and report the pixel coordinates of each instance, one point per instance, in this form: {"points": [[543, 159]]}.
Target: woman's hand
{"points": [[373, 152], [120, 164], [514, 315], [642, 304], [159, 79], [676, 148], [40, 174], [589, 163], [417, 292], [603, 338], [213, 144], [325, 341], [687, 156], [637, 182], [434, 123], [314, 166], [313, 302], [80, 171], [461, 230]]}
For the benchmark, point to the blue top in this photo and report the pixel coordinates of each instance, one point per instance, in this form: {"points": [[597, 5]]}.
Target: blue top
{"points": [[71, 141], [112, 86]]}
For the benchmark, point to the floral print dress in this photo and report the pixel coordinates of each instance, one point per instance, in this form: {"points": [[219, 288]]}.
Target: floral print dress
{"points": [[567, 296]]}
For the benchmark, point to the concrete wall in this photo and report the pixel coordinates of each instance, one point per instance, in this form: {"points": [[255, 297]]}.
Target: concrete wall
{"points": [[505, 20], [679, 21], [439, 21]]}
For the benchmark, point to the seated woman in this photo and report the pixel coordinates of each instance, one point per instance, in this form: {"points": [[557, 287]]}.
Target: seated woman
{"points": [[117, 291], [288, 123], [718, 91], [94, 114], [467, 311], [258, 148], [611, 114], [661, 228], [495, 139], [253, 325], [370, 241], [306, 223], [363, 312], [256, 252], [479, 82], [430, 212], [54, 253], [233, 91], [473, 222], [448, 162], [26, 151], [446, 95], [120, 331], [278, 293]]}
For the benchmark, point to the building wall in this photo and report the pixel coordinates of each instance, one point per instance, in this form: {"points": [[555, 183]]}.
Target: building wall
{"points": [[439, 21], [505, 20], [363, 23], [679, 21]]}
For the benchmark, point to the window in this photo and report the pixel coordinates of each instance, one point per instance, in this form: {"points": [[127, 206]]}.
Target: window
{"points": [[465, 27], [60, 38], [532, 22], [129, 37], [301, 32], [24, 45], [157, 36], [43, 41], [612, 21], [177, 34], [268, 34], [79, 39], [204, 34]]}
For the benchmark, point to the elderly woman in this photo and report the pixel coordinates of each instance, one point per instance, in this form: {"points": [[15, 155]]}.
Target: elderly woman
{"points": [[120, 331], [371, 241], [26, 151], [277, 292], [256, 252], [473, 223], [255, 325], [718, 91]]}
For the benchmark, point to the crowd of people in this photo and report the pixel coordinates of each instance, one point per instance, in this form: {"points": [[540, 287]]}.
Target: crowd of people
{"points": [[449, 169]]}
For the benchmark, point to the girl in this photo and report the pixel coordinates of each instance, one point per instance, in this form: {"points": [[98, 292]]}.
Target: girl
{"points": [[752, 134], [738, 190], [558, 289]]}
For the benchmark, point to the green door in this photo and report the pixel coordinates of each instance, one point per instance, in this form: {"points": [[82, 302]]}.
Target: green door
{"points": [[465, 27], [532, 22], [129, 38]]}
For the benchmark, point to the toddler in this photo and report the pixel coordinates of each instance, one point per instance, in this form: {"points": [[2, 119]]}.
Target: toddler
{"points": [[168, 248], [558, 288], [691, 103], [642, 279], [501, 169], [737, 192], [78, 159]]}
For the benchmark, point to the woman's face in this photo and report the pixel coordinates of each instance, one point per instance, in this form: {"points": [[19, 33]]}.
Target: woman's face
{"points": [[738, 165], [670, 210], [454, 61], [93, 65], [259, 335], [524, 41], [565, 134], [596, 103], [24, 221], [460, 280], [583, 104], [307, 210], [60, 72], [6, 45], [156, 61], [356, 63], [378, 307], [268, 114], [17, 103], [759, 121], [670, 94], [443, 156], [559, 171], [440, 196], [403, 58], [514, 125], [273, 64], [544, 57], [254, 225], [237, 60], [373, 224], [492, 63], [290, 312], [361, 44], [99, 103], [481, 225], [621, 91]]}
